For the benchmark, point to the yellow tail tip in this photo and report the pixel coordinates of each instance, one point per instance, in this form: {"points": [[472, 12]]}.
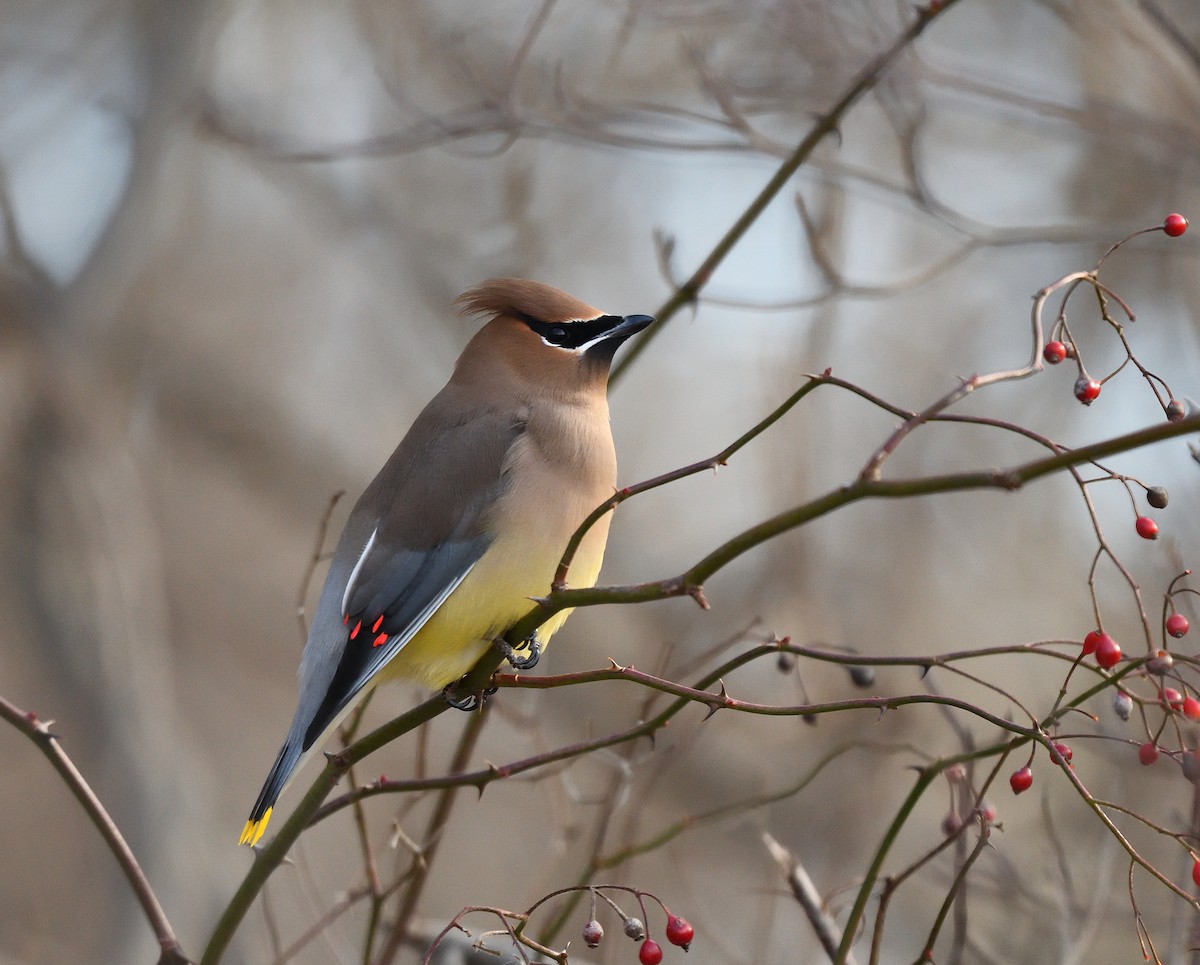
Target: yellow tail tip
{"points": [[255, 829]]}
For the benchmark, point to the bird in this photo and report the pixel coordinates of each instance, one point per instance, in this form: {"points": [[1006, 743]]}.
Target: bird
{"points": [[469, 517]]}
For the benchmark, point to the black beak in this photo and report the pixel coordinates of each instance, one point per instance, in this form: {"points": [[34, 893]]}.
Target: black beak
{"points": [[630, 325], [606, 348]]}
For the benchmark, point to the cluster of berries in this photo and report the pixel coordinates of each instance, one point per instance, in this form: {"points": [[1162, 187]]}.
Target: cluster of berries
{"points": [[1107, 653], [1087, 389], [678, 932]]}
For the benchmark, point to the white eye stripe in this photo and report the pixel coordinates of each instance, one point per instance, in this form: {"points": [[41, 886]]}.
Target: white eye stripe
{"points": [[564, 334], [578, 349], [598, 339]]}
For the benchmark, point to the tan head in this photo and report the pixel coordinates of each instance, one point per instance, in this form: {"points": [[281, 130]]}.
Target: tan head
{"points": [[541, 336]]}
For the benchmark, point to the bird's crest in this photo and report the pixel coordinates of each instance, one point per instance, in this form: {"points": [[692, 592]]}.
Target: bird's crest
{"points": [[523, 299]]}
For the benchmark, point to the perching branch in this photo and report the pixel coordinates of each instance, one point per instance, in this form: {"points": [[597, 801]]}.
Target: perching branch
{"points": [[692, 580], [269, 857], [714, 463]]}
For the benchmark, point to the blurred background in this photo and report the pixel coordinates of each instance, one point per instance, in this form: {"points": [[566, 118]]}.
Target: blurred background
{"points": [[232, 232]]}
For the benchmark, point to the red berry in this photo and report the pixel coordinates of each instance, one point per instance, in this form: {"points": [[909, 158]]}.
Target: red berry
{"points": [[1065, 752], [679, 932], [593, 933], [1146, 527], [651, 953], [1177, 624], [989, 813], [1108, 651], [1148, 753], [1174, 225], [1191, 708], [1196, 872], [1175, 410], [1090, 641], [1087, 390], [1170, 698], [1021, 780], [1054, 352]]}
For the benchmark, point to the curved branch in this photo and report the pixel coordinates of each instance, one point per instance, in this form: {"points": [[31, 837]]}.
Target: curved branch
{"points": [[269, 858], [39, 732], [691, 581], [714, 463]]}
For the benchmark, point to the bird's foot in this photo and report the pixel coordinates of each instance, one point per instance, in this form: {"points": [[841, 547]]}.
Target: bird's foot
{"points": [[512, 654], [468, 703]]}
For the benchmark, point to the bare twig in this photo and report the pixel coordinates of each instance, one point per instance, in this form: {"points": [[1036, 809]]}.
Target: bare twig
{"points": [[694, 577], [808, 897], [313, 561], [46, 741], [433, 835], [689, 291]]}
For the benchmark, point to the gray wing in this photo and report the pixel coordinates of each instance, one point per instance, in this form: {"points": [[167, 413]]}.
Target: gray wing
{"points": [[428, 512], [411, 539]]}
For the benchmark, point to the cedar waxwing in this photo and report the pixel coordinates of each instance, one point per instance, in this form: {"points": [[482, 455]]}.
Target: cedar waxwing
{"points": [[469, 517]]}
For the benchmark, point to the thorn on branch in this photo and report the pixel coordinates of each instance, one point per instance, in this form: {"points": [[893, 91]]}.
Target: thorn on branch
{"points": [[719, 701], [697, 594]]}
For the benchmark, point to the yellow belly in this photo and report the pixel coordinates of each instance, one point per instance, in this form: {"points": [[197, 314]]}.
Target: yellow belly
{"points": [[494, 595]]}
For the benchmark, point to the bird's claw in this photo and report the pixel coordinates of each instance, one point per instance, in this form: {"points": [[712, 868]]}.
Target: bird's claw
{"points": [[517, 662], [468, 703]]}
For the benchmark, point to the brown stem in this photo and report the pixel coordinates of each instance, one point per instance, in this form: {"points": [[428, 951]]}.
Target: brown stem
{"points": [[686, 583], [807, 896], [713, 463], [689, 291], [39, 732], [433, 836]]}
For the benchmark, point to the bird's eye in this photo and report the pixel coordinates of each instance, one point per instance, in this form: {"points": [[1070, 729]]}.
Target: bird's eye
{"points": [[557, 335]]}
